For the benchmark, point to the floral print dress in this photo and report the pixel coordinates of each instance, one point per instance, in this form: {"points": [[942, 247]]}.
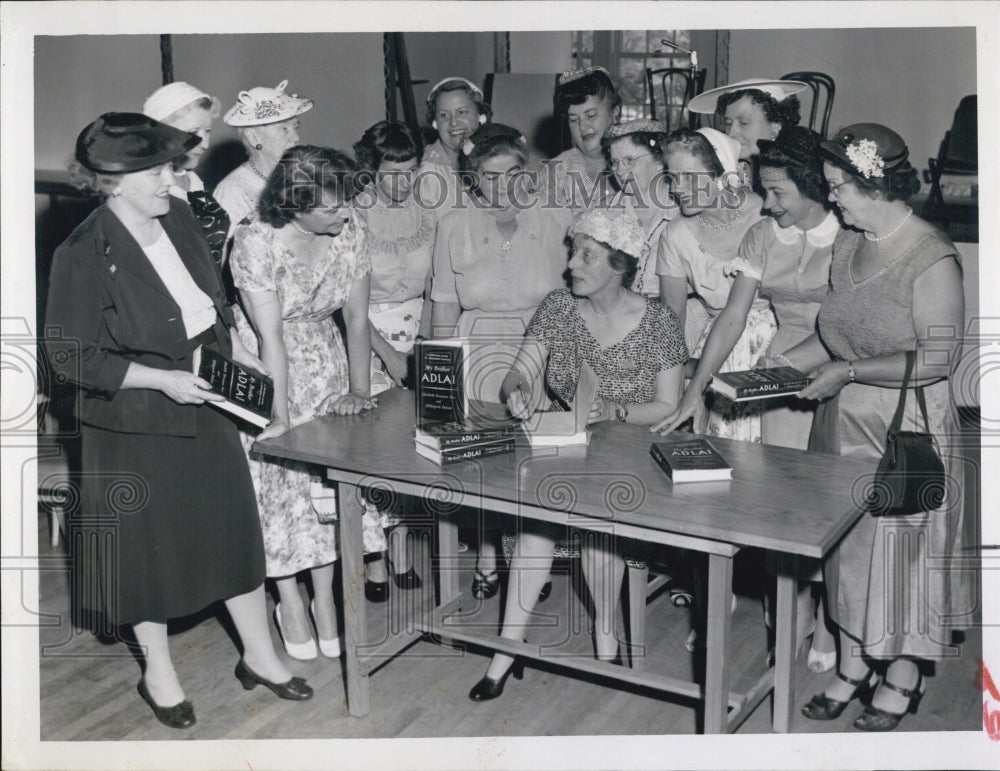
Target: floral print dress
{"points": [[297, 521]]}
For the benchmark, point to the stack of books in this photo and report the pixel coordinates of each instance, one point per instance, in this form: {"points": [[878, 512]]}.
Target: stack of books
{"points": [[454, 442]]}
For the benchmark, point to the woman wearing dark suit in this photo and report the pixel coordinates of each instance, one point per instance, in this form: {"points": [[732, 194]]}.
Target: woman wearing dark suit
{"points": [[133, 293]]}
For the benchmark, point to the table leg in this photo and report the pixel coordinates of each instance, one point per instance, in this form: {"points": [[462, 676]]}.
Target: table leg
{"points": [[353, 574], [784, 651], [720, 599], [447, 558]]}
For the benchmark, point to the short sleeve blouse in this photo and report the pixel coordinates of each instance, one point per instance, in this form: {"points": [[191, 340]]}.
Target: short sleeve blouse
{"points": [[627, 370]]}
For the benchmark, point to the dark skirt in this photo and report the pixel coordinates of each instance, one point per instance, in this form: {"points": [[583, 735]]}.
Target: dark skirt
{"points": [[167, 524]]}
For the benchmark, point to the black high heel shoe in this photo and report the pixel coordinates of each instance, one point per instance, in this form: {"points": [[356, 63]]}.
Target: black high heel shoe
{"points": [[407, 580], [295, 689], [875, 719], [822, 707], [485, 585], [488, 688], [376, 591], [178, 716], [546, 591]]}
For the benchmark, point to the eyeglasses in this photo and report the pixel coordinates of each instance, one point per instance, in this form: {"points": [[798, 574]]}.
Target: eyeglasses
{"points": [[627, 163], [835, 188]]}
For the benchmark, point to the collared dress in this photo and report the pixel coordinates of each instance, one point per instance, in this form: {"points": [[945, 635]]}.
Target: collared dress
{"points": [[497, 283], [793, 268], [298, 524], [896, 584], [400, 242], [681, 255]]}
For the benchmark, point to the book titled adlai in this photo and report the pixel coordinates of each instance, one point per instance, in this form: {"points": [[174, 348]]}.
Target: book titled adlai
{"points": [[248, 394], [441, 395], [446, 436], [693, 460], [759, 383], [466, 452]]}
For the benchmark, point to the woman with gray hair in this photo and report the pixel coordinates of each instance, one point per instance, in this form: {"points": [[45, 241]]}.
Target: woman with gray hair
{"points": [[267, 121]]}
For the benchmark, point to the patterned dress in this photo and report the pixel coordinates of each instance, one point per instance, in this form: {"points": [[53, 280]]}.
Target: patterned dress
{"points": [[299, 532], [896, 584], [568, 182], [627, 369], [238, 193], [681, 255]]}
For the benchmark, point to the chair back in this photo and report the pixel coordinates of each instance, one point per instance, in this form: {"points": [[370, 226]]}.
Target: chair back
{"points": [[526, 102], [675, 87], [822, 87], [960, 151]]}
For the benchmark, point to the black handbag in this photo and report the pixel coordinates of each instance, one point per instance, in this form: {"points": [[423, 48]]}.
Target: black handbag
{"points": [[910, 476]]}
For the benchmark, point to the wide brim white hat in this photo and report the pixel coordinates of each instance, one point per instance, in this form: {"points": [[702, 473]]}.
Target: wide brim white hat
{"points": [[260, 106], [707, 101]]}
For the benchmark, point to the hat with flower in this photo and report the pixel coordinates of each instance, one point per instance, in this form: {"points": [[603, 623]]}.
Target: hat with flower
{"points": [[866, 150], [618, 228], [570, 75], [260, 106], [637, 126]]}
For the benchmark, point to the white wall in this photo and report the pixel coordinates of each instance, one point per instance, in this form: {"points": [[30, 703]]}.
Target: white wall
{"points": [[910, 80]]}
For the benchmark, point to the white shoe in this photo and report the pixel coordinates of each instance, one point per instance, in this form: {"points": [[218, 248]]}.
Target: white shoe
{"points": [[304, 651], [329, 648], [821, 662]]}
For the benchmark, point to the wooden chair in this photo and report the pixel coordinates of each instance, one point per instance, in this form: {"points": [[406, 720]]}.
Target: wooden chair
{"points": [[959, 155], [821, 85], [54, 478], [670, 78]]}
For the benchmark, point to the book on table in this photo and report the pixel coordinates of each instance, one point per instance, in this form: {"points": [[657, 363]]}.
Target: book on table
{"points": [[759, 383], [690, 460], [467, 452], [446, 436], [440, 371], [247, 394], [562, 429]]}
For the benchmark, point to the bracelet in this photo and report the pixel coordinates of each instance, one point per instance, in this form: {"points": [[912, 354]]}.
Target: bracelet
{"points": [[621, 413], [851, 374], [782, 357]]}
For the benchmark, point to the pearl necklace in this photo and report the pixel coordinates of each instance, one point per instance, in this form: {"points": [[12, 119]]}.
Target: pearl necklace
{"points": [[255, 170], [719, 228], [302, 230], [875, 239], [593, 308]]}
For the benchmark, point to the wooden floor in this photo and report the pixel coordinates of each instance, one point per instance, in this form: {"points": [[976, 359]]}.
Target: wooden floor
{"points": [[88, 685]]}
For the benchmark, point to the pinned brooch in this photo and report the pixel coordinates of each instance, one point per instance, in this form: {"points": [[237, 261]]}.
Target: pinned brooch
{"points": [[468, 147], [864, 156]]}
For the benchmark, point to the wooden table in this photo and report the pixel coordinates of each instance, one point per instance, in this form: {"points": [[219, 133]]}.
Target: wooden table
{"points": [[785, 501]]}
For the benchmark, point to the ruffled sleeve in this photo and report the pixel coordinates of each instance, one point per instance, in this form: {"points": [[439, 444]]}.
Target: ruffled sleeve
{"points": [[251, 261], [752, 253]]}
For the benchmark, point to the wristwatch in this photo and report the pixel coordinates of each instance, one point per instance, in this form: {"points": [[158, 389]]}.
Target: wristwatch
{"points": [[621, 413]]}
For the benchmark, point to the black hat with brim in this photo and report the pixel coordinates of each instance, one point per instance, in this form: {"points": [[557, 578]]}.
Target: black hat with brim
{"points": [[123, 142], [887, 146]]}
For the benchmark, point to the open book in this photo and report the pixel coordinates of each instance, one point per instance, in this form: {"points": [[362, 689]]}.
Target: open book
{"points": [[561, 429]]}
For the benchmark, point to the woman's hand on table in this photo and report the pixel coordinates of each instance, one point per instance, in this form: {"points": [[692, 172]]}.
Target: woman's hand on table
{"points": [[186, 387], [517, 404], [826, 381], [352, 404], [600, 411], [692, 405], [395, 366], [276, 427]]}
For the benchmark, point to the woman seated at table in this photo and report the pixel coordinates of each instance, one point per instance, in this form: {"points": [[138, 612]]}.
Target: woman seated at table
{"points": [[636, 348], [300, 259], [184, 107], [786, 260], [267, 122], [895, 284], [579, 177], [134, 292], [696, 253], [494, 262], [400, 240]]}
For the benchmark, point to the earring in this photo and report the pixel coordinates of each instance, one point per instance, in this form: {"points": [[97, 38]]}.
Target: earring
{"points": [[259, 146], [116, 192], [434, 125], [482, 119]]}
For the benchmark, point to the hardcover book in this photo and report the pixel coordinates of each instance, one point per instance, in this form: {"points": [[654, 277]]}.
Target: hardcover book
{"points": [[693, 460], [248, 394], [561, 429], [441, 396], [444, 436], [466, 452], [759, 383]]}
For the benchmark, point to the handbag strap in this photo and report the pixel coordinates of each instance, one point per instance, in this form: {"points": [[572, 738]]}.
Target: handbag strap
{"points": [[897, 419]]}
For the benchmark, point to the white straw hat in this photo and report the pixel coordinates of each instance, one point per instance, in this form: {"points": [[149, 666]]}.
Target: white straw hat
{"points": [[260, 106], [706, 101]]}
